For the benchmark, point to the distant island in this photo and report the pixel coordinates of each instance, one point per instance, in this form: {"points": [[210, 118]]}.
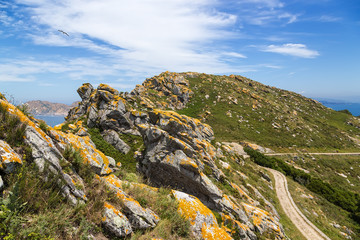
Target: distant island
{"points": [[45, 108]]}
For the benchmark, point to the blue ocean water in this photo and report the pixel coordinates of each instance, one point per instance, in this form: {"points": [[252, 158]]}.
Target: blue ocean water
{"points": [[354, 108], [51, 120]]}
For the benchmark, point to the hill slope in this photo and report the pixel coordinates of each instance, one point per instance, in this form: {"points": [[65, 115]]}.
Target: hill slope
{"points": [[241, 109]]}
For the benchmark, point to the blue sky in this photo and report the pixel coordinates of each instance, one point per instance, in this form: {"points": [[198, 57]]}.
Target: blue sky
{"points": [[309, 47]]}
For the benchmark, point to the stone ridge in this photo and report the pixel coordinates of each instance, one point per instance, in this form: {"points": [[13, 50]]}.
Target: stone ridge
{"points": [[178, 154], [166, 91]]}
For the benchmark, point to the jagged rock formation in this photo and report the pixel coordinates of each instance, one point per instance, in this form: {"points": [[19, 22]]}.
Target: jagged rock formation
{"points": [[178, 152]]}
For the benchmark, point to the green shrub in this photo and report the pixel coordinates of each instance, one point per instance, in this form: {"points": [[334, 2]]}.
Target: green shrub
{"points": [[12, 130], [43, 126], [77, 162], [24, 109]]}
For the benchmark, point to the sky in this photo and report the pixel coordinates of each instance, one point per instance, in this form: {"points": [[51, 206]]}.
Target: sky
{"points": [[306, 46]]}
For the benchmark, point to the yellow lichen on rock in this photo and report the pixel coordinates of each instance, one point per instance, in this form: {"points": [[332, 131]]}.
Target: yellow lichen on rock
{"points": [[243, 193], [87, 150], [261, 217], [202, 220], [8, 157], [214, 233]]}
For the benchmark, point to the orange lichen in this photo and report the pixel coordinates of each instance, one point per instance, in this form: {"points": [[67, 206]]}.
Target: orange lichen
{"points": [[24, 119], [188, 162], [87, 151], [259, 216], [214, 232], [8, 155]]}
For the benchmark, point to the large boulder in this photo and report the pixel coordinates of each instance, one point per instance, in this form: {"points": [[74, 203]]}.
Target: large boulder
{"points": [[97, 160], [115, 221]]}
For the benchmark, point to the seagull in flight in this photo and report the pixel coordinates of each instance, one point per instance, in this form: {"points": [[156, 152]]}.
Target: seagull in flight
{"points": [[63, 32]]}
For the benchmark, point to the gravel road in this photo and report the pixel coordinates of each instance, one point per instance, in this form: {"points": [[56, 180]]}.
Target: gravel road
{"points": [[309, 230]]}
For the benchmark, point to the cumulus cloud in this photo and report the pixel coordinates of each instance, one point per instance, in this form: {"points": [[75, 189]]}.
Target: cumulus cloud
{"points": [[298, 50]]}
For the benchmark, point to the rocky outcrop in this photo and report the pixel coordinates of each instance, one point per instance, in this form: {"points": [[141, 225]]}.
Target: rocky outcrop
{"points": [[46, 155], [178, 153], [173, 86]]}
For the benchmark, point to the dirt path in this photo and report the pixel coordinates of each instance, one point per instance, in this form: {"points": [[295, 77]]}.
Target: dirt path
{"points": [[309, 230]]}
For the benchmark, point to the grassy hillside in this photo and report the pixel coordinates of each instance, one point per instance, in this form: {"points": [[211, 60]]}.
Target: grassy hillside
{"points": [[241, 109]]}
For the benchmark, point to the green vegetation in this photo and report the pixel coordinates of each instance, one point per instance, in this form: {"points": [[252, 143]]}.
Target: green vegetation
{"points": [[172, 225], [24, 109], [12, 130], [33, 207], [43, 126], [128, 160], [346, 112], [241, 109], [347, 200]]}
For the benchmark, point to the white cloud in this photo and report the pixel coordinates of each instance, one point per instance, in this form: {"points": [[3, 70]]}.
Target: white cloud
{"points": [[21, 70], [268, 3], [14, 78], [291, 17], [298, 50], [326, 18], [141, 35], [234, 54]]}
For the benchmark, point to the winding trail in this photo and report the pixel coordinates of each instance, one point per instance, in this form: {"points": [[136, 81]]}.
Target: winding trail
{"points": [[309, 230]]}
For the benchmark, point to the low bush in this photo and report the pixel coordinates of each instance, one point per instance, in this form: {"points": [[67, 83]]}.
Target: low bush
{"points": [[12, 130]]}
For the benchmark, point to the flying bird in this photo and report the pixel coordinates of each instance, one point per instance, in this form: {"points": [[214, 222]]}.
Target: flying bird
{"points": [[65, 33]]}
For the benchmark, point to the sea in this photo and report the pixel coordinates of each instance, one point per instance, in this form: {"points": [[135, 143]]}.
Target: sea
{"points": [[354, 108], [51, 120]]}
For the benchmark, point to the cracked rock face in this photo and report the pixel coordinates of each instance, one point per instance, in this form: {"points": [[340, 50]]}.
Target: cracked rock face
{"points": [[115, 221]]}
